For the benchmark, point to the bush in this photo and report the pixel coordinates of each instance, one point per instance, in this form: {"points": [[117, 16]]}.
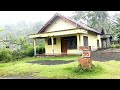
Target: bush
{"points": [[79, 69], [16, 55], [115, 46], [27, 51], [40, 50], [5, 55]]}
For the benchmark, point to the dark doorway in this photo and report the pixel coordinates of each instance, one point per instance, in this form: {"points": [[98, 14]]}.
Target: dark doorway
{"points": [[98, 44], [104, 43], [64, 45], [85, 40]]}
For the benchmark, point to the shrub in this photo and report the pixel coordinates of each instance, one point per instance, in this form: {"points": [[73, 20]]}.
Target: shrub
{"points": [[26, 51], [5, 55], [115, 46], [40, 50], [17, 55], [79, 69]]}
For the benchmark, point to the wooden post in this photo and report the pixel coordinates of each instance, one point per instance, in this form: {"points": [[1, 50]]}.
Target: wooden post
{"points": [[34, 46], [78, 41], [52, 44]]}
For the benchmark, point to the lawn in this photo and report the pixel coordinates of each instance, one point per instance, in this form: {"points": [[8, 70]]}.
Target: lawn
{"points": [[102, 70]]}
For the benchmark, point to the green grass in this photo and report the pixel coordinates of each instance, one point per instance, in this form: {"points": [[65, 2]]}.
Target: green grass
{"points": [[102, 70]]}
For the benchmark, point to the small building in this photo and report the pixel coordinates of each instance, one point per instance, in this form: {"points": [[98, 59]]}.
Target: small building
{"points": [[65, 36], [6, 43], [105, 38]]}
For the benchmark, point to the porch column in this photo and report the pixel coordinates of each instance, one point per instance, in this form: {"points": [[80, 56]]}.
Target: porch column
{"points": [[34, 46], [81, 40], [78, 41], [52, 44]]}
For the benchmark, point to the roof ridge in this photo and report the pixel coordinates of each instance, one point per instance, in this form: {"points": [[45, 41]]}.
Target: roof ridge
{"points": [[78, 23], [84, 26]]}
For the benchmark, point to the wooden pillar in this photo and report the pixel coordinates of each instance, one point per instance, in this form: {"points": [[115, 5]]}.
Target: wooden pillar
{"points": [[78, 41], [52, 44], [34, 46]]}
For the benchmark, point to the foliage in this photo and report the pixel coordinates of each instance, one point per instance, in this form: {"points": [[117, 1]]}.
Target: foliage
{"points": [[26, 50], [5, 55], [116, 26], [94, 19], [17, 55], [115, 46]]}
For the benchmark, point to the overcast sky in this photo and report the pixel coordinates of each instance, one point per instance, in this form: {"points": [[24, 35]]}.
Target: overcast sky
{"points": [[12, 17]]}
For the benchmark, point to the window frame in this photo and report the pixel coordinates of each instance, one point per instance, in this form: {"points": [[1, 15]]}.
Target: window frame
{"points": [[72, 41], [49, 41]]}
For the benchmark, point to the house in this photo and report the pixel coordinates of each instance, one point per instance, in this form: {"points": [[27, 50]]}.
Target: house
{"points": [[105, 38], [6, 43], [65, 36]]}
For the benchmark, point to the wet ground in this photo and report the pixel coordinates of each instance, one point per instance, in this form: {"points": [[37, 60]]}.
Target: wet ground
{"points": [[50, 62]]}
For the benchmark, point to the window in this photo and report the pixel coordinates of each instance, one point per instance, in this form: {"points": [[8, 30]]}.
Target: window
{"points": [[54, 41], [50, 42], [72, 42]]}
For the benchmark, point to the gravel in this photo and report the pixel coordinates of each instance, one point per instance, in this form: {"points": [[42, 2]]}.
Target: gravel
{"points": [[106, 55]]}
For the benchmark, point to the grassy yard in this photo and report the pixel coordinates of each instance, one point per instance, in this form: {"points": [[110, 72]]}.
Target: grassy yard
{"points": [[102, 70]]}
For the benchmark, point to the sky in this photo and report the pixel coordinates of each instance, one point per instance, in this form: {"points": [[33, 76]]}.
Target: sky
{"points": [[12, 17]]}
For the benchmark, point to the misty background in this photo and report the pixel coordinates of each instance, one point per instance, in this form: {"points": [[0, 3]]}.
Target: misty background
{"points": [[23, 23]]}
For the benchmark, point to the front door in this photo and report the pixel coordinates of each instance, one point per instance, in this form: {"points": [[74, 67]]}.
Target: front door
{"points": [[63, 45]]}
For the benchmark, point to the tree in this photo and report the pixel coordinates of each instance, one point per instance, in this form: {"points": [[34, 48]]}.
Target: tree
{"points": [[2, 39], [94, 19], [116, 26], [78, 15]]}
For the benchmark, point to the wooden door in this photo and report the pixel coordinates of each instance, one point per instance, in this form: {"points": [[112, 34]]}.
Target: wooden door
{"points": [[63, 45]]}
